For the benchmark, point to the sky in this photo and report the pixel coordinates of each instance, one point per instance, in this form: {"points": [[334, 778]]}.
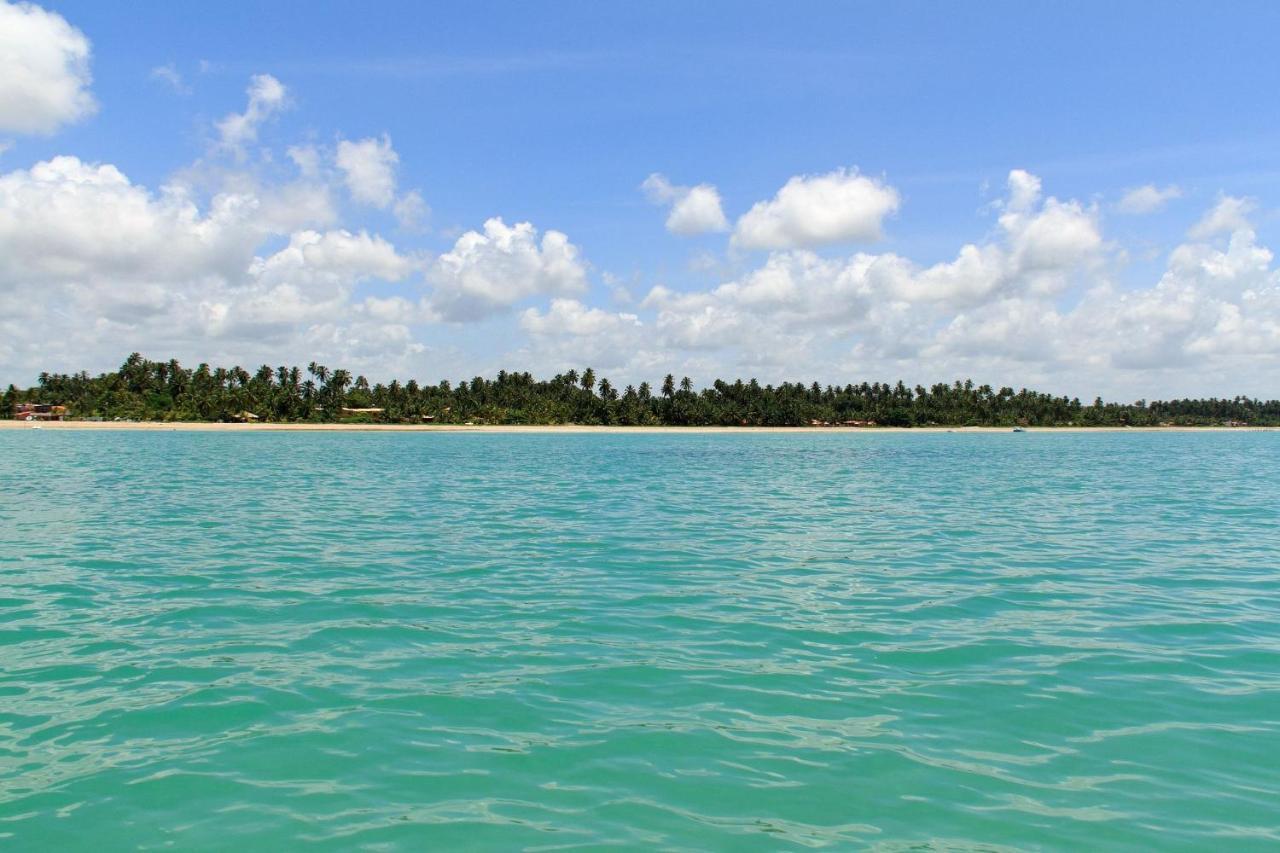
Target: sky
{"points": [[1078, 198]]}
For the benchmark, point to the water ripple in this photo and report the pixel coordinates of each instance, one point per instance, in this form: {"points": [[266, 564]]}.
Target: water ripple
{"points": [[944, 642]]}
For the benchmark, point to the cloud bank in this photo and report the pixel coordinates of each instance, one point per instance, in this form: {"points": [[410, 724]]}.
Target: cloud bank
{"points": [[265, 251]]}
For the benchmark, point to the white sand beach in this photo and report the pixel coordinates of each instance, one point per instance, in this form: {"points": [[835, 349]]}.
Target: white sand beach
{"points": [[193, 426]]}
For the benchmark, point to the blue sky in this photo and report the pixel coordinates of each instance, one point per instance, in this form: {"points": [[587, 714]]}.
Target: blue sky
{"points": [[554, 114]]}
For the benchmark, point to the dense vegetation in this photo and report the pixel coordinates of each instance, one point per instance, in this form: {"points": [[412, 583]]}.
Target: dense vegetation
{"points": [[166, 391]]}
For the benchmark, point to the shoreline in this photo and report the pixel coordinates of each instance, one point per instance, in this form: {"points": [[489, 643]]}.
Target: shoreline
{"points": [[200, 426]]}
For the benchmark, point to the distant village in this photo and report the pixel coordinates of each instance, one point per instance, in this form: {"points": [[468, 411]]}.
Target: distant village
{"points": [[38, 412]]}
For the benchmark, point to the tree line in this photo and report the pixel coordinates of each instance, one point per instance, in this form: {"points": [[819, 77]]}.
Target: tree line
{"points": [[166, 391]]}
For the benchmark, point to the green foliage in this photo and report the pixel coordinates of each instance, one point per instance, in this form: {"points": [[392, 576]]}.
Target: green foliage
{"points": [[166, 391]]}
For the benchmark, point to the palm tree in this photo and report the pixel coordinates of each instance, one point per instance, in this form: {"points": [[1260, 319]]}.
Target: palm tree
{"points": [[338, 382], [319, 371], [142, 388]]}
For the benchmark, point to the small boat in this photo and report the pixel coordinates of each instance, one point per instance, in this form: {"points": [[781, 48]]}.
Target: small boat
{"points": [[1019, 429]]}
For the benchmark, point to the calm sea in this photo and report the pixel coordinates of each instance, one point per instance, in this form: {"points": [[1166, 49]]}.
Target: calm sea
{"points": [[674, 641]]}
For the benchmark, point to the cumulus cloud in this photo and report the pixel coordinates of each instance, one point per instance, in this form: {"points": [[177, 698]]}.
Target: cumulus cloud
{"points": [[1014, 329], [1147, 199], [694, 210], [809, 211], [115, 266], [308, 281], [369, 168], [571, 334], [314, 260], [236, 264], [1215, 308], [1049, 238], [267, 96], [891, 306], [571, 317], [1024, 190], [485, 273], [64, 220], [1033, 305], [44, 70], [1229, 214]]}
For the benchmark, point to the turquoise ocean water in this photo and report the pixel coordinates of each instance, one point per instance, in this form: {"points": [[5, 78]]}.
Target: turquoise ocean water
{"points": [[673, 641]]}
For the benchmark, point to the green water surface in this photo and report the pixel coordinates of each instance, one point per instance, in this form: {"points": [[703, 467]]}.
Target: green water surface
{"points": [[674, 641]]}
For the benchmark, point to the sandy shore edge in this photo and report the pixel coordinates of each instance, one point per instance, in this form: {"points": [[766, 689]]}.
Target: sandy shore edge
{"points": [[153, 426]]}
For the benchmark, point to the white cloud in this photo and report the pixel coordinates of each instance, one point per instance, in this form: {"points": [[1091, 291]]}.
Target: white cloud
{"points": [[1033, 306], [1215, 310], [307, 159], [369, 168], [1054, 239], [1229, 214], [410, 210], [659, 190], [619, 291], [1024, 190], [697, 212], [1015, 329], [694, 210], [487, 273], [391, 309], [310, 279], [170, 76], [887, 305], [283, 208], [571, 317], [226, 265], [116, 267], [1147, 199], [1211, 323], [267, 96], [809, 211], [571, 334], [44, 70], [64, 220], [314, 260]]}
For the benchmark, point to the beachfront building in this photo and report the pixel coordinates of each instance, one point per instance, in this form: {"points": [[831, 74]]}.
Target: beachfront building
{"points": [[39, 412], [367, 411]]}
